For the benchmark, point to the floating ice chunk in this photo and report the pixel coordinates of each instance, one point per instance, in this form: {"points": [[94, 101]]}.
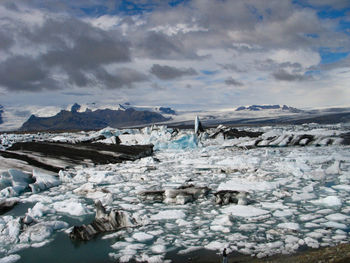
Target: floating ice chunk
{"points": [[247, 186], [303, 196], [343, 187], [13, 182], [325, 211], [333, 169], [337, 217], [335, 225], [142, 237], [274, 245], [291, 226], [310, 242], [19, 178], [102, 177], [181, 222], [38, 210], [132, 139], [220, 228], [216, 245], [273, 206], [41, 244], [223, 220], [330, 201], [282, 213], [40, 232], [43, 181], [152, 259], [71, 207], [10, 259], [291, 239], [60, 139], [168, 214], [85, 189], [120, 244], [308, 217], [158, 249], [197, 126], [244, 211], [66, 176], [12, 230], [315, 235]]}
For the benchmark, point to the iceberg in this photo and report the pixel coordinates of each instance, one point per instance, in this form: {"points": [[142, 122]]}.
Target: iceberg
{"points": [[43, 181]]}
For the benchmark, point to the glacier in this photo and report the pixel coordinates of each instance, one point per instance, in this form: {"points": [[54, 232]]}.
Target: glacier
{"points": [[296, 177]]}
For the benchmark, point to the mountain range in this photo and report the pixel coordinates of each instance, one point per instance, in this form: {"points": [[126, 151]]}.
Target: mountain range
{"points": [[94, 116], [89, 120], [269, 107]]}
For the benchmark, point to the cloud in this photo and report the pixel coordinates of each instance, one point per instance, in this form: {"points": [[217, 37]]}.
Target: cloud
{"points": [[271, 65], [286, 76], [167, 72], [20, 73], [157, 45], [6, 40], [67, 52], [79, 94], [66, 46], [232, 82], [123, 77], [232, 67]]}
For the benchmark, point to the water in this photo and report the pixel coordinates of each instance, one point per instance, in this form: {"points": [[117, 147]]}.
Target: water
{"points": [[62, 249]]}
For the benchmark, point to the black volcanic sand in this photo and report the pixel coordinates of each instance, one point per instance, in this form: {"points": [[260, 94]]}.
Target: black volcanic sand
{"points": [[75, 154], [337, 254]]}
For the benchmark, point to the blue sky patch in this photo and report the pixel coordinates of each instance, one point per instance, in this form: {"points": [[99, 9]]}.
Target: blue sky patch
{"points": [[209, 72], [330, 57]]}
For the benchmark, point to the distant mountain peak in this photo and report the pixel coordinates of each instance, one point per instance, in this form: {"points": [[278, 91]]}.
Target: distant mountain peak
{"points": [[268, 107], [75, 108], [122, 107], [166, 110]]}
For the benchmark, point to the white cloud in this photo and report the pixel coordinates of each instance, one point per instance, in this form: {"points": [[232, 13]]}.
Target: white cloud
{"points": [[306, 58]]}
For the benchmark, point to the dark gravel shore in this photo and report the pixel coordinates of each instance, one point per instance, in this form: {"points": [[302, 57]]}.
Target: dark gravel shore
{"points": [[336, 254]]}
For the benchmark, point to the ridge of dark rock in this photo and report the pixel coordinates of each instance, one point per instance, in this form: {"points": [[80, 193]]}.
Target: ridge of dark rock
{"points": [[89, 120]]}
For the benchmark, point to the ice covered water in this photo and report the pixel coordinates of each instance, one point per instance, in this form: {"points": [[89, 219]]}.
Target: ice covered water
{"points": [[298, 195]]}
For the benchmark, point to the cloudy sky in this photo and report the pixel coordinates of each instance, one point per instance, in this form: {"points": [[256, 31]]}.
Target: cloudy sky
{"points": [[201, 54]]}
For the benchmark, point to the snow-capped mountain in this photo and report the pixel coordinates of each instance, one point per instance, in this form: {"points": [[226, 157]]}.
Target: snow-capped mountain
{"points": [[269, 107]]}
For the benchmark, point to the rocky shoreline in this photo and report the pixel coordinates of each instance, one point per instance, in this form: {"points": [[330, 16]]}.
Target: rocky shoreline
{"points": [[336, 254]]}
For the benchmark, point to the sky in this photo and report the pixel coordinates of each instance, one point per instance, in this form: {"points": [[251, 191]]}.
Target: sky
{"points": [[187, 54]]}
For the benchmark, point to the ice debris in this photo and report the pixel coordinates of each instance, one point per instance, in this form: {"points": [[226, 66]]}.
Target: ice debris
{"points": [[103, 222]]}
